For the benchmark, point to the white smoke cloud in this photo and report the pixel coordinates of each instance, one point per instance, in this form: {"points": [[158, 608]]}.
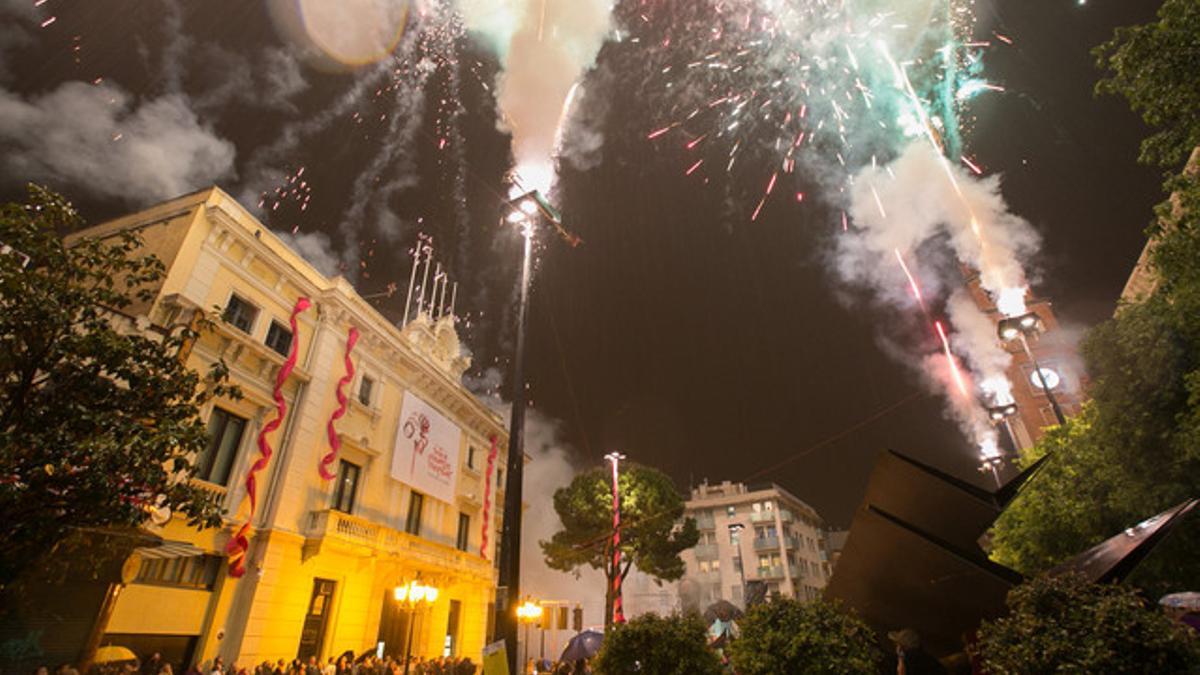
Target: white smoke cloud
{"points": [[101, 140], [544, 48], [911, 200], [316, 248], [974, 337], [919, 198]]}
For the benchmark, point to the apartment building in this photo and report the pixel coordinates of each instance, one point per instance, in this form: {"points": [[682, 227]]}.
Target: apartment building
{"points": [[753, 536], [325, 556]]}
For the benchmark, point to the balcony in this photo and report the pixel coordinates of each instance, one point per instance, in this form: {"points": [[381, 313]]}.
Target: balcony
{"points": [[705, 551], [766, 543], [369, 539], [786, 516], [762, 517], [791, 542], [772, 572], [704, 521]]}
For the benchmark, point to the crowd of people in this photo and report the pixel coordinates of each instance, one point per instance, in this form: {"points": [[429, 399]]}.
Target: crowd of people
{"points": [[154, 664]]}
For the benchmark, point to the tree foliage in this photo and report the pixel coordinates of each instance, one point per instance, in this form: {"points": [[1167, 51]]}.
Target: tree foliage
{"points": [[1067, 625], [97, 421], [652, 532], [1156, 67], [803, 638], [1135, 448], [672, 645]]}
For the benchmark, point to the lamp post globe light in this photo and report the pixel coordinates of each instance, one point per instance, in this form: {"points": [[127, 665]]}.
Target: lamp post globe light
{"points": [[412, 596], [1018, 328], [528, 614]]}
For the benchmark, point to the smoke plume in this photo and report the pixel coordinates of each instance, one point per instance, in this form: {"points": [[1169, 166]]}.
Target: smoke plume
{"points": [[919, 198], [544, 47], [101, 140]]}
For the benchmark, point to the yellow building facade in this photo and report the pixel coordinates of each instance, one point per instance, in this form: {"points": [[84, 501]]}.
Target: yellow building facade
{"points": [[324, 556]]}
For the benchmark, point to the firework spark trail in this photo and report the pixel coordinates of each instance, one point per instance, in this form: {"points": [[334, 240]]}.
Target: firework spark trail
{"points": [[951, 361], [818, 84]]}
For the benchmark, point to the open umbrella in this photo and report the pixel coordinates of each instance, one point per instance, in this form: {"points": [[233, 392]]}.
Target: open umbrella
{"points": [[113, 654], [723, 610], [582, 646], [1189, 601]]}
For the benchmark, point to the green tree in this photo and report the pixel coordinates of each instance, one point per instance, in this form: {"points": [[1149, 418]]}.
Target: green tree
{"points": [[672, 645], [1067, 625], [1156, 67], [97, 421], [1134, 450], [803, 638], [652, 532]]}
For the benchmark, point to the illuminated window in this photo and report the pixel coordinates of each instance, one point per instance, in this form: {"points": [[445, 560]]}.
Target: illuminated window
{"points": [[346, 489]]}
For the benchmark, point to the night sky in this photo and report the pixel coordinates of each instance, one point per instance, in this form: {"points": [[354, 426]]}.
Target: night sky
{"points": [[708, 346]]}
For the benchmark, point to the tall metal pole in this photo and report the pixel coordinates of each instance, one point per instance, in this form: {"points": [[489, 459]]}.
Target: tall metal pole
{"points": [[412, 281], [1058, 413], [508, 587], [618, 612]]}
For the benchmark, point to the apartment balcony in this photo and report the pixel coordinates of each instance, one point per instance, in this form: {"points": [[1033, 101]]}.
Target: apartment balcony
{"points": [[704, 521], [791, 542], [772, 572], [786, 516], [369, 539], [706, 551], [762, 517], [766, 543]]}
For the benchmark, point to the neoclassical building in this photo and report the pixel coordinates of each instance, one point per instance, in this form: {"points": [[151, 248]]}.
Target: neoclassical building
{"points": [[408, 497]]}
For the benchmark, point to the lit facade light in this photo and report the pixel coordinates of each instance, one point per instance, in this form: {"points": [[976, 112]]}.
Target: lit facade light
{"points": [[1047, 379], [999, 413], [415, 593], [529, 611], [1015, 326]]}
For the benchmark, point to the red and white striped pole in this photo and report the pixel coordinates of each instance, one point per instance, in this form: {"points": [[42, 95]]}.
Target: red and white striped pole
{"points": [[618, 615]]}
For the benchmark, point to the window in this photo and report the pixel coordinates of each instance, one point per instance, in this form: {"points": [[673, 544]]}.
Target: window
{"points": [[703, 566], [463, 540], [199, 571], [366, 388], [716, 566], [224, 438], [346, 489], [415, 503], [499, 479], [279, 338], [240, 313], [768, 506], [470, 457]]}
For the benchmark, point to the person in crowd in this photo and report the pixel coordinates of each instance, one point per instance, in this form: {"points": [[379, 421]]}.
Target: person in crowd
{"points": [[165, 669], [911, 657], [151, 664]]}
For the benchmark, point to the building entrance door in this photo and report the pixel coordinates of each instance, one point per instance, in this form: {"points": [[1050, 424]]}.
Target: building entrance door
{"points": [[393, 626], [312, 636]]}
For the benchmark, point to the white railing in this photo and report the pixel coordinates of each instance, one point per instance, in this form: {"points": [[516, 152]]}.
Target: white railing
{"points": [[377, 539]]}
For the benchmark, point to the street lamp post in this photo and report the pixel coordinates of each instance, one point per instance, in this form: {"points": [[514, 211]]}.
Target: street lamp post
{"points": [[618, 612], [413, 595], [527, 613], [525, 212], [1018, 327]]}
